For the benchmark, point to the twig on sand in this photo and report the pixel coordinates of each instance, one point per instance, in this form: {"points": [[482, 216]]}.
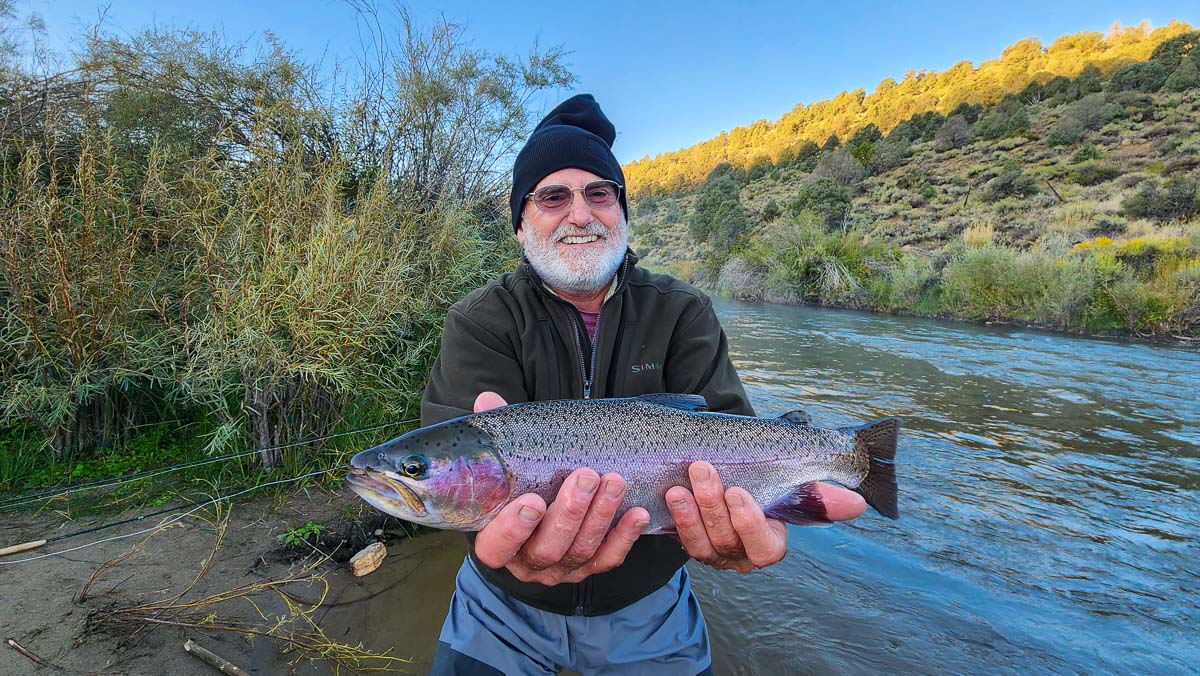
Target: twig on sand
{"points": [[35, 658], [43, 662], [220, 663]]}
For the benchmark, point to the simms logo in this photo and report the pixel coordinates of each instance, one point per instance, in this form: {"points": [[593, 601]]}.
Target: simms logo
{"points": [[649, 366]]}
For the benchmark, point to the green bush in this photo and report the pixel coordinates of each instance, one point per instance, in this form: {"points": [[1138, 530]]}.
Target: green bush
{"points": [[955, 133], [1186, 76], [1145, 76], [1173, 200], [1007, 118], [1010, 182], [824, 197], [842, 167], [1086, 152], [1093, 172]]}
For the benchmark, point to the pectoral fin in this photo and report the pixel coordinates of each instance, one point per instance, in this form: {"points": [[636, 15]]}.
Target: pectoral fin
{"points": [[803, 507]]}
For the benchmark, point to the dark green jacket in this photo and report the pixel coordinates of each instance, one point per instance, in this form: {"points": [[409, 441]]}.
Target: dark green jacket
{"points": [[512, 337]]}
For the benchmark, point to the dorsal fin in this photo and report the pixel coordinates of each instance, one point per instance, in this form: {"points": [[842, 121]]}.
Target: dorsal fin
{"points": [[687, 402], [797, 417]]}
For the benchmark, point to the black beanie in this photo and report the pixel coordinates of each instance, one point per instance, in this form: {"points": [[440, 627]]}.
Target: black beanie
{"points": [[575, 135]]}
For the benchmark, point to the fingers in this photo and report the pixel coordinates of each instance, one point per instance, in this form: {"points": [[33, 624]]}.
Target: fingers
{"points": [[563, 519], [841, 504], [710, 498], [616, 545], [689, 525], [764, 544], [500, 540], [597, 522], [486, 401]]}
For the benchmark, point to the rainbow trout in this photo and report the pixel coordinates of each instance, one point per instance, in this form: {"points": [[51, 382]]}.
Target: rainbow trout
{"points": [[458, 474]]}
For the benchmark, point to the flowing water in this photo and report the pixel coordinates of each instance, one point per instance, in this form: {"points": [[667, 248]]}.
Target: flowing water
{"points": [[1049, 489]]}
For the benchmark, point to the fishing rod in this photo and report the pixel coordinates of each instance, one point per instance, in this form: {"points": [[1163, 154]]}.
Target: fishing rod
{"points": [[132, 476], [38, 543]]}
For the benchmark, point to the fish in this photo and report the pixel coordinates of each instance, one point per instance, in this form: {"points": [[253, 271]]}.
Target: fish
{"points": [[459, 474]]}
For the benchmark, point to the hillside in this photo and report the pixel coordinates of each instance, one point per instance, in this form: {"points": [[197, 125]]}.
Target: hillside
{"points": [[1071, 205], [1020, 65]]}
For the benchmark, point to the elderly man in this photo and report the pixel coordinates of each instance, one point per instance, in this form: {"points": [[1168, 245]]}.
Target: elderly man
{"points": [[551, 587]]}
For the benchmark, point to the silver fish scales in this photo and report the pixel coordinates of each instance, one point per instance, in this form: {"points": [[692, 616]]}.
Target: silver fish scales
{"points": [[460, 473]]}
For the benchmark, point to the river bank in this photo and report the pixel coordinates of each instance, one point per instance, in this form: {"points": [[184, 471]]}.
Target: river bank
{"points": [[226, 581]]}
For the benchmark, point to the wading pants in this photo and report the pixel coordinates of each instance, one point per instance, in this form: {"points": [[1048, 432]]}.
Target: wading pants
{"points": [[489, 632]]}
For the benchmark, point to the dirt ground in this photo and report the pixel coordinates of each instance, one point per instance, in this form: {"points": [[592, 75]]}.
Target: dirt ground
{"points": [[122, 607]]}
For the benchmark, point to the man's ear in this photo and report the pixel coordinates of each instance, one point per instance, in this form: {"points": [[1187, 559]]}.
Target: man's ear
{"points": [[521, 232]]}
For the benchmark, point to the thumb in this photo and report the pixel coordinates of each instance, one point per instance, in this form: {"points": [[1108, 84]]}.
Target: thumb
{"points": [[486, 401]]}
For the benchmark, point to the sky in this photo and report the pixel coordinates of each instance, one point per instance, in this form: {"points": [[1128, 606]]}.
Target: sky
{"points": [[668, 74]]}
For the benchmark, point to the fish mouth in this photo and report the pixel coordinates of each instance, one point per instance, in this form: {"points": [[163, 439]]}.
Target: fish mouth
{"points": [[385, 487]]}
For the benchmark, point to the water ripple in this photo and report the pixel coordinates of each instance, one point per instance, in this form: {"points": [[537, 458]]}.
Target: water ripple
{"points": [[1049, 490]]}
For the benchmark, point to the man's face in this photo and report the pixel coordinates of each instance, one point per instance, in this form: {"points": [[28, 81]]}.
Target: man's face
{"points": [[577, 250]]}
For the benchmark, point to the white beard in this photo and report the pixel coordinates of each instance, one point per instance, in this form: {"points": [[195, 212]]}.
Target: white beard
{"points": [[585, 272]]}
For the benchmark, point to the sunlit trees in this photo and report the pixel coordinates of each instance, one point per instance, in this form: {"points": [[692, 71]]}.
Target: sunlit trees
{"points": [[1066, 70]]}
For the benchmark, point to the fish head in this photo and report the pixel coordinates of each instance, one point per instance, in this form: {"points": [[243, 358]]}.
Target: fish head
{"points": [[447, 476]]}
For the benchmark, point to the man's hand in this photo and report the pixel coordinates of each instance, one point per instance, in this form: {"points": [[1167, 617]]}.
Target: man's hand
{"points": [[727, 528], [567, 541]]}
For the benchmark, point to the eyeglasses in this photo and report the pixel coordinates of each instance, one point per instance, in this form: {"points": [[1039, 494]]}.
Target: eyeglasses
{"points": [[555, 198]]}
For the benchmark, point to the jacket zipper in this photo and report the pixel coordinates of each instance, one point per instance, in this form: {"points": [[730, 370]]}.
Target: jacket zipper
{"points": [[588, 373]]}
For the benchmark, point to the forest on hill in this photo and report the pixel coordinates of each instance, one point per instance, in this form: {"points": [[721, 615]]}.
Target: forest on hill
{"points": [[1068, 202], [1020, 65]]}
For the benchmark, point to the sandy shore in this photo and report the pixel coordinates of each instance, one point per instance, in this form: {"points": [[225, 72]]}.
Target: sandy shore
{"points": [[79, 612]]}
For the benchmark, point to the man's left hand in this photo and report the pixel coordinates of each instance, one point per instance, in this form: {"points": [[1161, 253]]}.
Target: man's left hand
{"points": [[726, 529]]}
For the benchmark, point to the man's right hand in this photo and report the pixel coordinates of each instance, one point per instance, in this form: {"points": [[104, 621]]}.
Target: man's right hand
{"points": [[568, 541]]}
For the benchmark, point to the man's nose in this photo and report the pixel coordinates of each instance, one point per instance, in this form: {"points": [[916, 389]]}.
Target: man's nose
{"points": [[581, 211]]}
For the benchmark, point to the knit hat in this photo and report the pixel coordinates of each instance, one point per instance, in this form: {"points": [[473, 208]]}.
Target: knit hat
{"points": [[575, 135]]}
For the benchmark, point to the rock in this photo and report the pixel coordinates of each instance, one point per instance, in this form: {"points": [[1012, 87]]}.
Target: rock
{"points": [[366, 561]]}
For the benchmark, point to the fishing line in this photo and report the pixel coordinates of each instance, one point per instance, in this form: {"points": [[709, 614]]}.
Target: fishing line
{"points": [[164, 524], [114, 481]]}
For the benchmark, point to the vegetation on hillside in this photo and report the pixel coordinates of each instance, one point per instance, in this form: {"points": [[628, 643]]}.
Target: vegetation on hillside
{"points": [[212, 249], [1071, 204], [1020, 65]]}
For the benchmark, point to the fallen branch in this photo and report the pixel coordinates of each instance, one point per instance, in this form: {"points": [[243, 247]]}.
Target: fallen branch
{"points": [[35, 658], [220, 663]]}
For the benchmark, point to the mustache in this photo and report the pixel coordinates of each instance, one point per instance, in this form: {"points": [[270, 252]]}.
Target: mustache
{"points": [[593, 228]]}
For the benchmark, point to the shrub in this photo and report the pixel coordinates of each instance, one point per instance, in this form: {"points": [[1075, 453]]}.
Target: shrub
{"points": [[1145, 76], [1186, 76], [824, 197], [1007, 118], [918, 128], [1087, 152], [1010, 182], [1173, 200], [1067, 131], [1092, 172], [772, 210], [841, 167], [890, 154], [717, 217], [955, 133]]}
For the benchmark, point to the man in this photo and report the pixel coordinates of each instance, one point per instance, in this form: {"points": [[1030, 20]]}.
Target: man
{"points": [[548, 587]]}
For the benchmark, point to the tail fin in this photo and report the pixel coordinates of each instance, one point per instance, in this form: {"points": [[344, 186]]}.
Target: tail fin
{"points": [[878, 441]]}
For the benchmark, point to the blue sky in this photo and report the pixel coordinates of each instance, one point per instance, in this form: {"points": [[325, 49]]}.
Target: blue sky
{"points": [[671, 74]]}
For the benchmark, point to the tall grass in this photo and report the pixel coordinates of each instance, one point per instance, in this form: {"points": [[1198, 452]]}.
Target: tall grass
{"points": [[254, 265]]}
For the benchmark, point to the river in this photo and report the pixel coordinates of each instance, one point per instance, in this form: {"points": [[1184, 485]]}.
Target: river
{"points": [[1049, 503], [1049, 490]]}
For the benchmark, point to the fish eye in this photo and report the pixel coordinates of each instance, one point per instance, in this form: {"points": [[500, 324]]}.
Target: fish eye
{"points": [[414, 466]]}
